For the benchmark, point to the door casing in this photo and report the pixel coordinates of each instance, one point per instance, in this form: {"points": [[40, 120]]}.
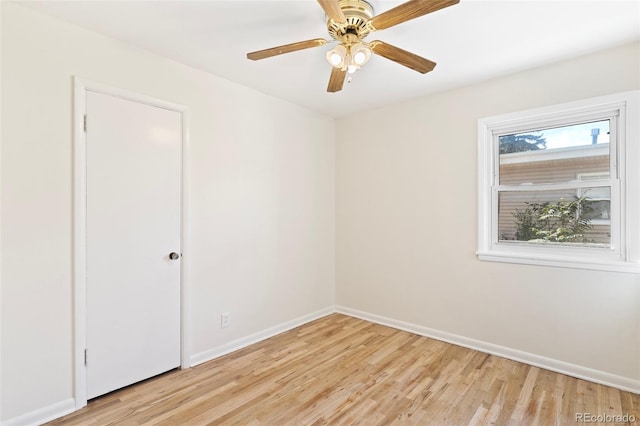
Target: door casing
{"points": [[81, 87]]}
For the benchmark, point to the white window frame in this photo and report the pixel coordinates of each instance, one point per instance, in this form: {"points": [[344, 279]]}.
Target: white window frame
{"points": [[623, 255]]}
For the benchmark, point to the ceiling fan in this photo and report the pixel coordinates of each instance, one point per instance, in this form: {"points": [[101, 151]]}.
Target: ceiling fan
{"points": [[349, 22]]}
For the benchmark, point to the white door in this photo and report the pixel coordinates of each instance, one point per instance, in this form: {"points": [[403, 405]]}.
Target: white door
{"points": [[133, 225]]}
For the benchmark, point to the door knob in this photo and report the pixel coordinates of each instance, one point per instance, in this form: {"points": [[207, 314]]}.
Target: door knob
{"points": [[173, 255]]}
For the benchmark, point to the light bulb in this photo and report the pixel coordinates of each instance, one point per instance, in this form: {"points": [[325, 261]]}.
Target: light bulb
{"points": [[351, 69], [335, 59], [359, 58]]}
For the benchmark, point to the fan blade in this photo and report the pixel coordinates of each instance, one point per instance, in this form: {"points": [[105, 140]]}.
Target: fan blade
{"points": [[266, 53], [407, 11], [408, 59], [333, 11], [336, 81]]}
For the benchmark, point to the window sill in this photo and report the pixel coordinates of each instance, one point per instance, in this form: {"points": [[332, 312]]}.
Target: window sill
{"points": [[560, 261]]}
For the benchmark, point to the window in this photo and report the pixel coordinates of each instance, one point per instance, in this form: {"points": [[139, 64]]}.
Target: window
{"points": [[559, 185]]}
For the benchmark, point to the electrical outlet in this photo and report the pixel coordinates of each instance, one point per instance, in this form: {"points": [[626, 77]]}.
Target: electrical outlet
{"points": [[225, 320]]}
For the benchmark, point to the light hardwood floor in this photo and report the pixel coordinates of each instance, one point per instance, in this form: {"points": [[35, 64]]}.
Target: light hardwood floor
{"points": [[341, 370]]}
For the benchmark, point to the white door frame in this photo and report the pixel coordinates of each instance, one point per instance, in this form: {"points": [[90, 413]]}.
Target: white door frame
{"points": [[81, 87]]}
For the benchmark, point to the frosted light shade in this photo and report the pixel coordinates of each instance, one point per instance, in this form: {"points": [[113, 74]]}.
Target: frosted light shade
{"points": [[337, 56]]}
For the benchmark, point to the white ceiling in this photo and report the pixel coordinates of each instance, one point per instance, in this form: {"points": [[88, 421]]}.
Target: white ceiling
{"points": [[471, 41]]}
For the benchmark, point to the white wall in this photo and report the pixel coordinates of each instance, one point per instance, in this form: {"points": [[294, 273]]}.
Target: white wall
{"points": [[262, 200], [406, 225]]}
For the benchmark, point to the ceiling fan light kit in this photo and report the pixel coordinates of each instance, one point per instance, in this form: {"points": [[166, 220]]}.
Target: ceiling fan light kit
{"points": [[348, 23], [349, 58]]}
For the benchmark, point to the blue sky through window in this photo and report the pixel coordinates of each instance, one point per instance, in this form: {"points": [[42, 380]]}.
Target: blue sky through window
{"points": [[576, 135]]}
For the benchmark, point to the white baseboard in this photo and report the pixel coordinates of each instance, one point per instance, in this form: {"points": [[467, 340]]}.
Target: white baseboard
{"points": [[574, 370], [44, 414], [234, 345]]}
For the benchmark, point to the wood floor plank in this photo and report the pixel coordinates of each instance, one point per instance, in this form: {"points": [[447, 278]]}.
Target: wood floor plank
{"points": [[340, 370]]}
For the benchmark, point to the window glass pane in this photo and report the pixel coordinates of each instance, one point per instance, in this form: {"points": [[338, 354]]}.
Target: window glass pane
{"points": [[555, 155], [597, 210], [558, 217]]}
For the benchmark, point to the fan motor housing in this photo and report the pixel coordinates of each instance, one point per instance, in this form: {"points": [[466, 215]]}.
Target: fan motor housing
{"points": [[358, 14]]}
